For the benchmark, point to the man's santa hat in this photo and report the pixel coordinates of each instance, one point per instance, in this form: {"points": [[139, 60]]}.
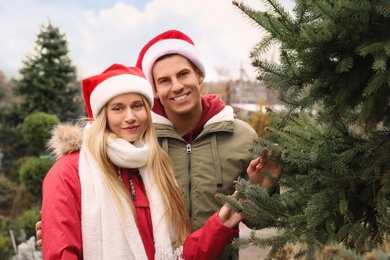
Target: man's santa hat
{"points": [[116, 80], [168, 42]]}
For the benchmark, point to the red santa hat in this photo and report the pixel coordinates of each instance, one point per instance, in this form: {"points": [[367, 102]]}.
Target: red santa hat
{"points": [[114, 81], [168, 42]]}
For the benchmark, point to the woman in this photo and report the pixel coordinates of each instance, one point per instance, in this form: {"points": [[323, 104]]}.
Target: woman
{"points": [[112, 194]]}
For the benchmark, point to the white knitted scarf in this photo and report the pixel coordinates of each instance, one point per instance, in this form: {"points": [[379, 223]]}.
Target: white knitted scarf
{"points": [[105, 236]]}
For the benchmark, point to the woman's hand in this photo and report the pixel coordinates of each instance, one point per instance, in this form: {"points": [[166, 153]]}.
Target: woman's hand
{"points": [[228, 217], [38, 233]]}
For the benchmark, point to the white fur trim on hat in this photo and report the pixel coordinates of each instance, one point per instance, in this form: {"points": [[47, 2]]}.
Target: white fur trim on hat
{"points": [[168, 46], [118, 85]]}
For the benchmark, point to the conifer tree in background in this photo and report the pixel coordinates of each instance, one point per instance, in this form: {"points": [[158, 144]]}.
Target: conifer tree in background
{"points": [[48, 85], [333, 77], [48, 82]]}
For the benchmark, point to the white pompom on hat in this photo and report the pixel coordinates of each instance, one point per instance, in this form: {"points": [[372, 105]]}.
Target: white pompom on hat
{"points": [[116, 80], [168, 42]]}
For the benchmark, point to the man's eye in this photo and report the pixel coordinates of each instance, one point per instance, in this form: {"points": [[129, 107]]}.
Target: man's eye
{"points": [[183, 73], [163, 81]]}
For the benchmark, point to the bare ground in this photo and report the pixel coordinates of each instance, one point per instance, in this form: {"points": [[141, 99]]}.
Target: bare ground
{"points": [[254, 253]]}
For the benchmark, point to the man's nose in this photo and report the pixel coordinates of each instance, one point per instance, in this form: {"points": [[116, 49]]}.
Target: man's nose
{"points": [[177, 85]]}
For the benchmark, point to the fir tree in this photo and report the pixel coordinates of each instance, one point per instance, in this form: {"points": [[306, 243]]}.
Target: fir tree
{"points": [[48, 82], [333, 77]]}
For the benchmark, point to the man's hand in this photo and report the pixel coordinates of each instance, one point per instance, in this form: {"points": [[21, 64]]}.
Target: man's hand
{"points": [[38, 233], [259, 168]]}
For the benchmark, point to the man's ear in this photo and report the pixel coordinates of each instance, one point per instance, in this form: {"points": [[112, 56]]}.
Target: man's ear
{"points": [[200, 79], [155, 90]]}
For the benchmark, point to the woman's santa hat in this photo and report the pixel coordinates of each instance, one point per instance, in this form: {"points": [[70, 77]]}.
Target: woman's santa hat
{"points": [[118, 79], [168, 42]]}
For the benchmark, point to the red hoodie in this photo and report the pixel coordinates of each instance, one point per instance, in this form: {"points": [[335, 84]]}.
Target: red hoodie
{"points": [[212, 105]]}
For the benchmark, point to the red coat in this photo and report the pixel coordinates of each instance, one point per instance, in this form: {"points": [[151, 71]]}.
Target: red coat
{"points": [[61, 219]]}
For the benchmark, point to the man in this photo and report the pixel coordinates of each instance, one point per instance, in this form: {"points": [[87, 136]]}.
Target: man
{"points": [[206, 142]]}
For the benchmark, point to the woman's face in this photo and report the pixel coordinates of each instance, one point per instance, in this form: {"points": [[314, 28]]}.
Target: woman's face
{"points": [[127, 116]]}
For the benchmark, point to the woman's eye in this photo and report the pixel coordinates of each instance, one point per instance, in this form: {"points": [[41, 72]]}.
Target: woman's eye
{"points": [[137, 106]]}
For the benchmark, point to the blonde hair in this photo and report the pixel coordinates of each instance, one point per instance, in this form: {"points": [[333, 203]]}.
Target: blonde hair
{"points": [[159, 164]]}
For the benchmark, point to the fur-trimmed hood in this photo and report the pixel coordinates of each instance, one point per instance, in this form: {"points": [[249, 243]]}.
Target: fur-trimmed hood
{"points": [[65, 138]]}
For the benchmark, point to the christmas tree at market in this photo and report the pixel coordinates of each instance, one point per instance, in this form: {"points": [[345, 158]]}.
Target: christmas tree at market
{"points": [[333, 138]]}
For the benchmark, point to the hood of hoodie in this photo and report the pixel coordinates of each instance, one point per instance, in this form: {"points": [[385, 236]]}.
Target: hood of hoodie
{"points": [[65, 138], [212, 107]]}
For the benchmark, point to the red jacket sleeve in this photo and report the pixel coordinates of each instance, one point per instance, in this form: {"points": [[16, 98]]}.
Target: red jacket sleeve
{"points": [[209, 241], [61, 211]]}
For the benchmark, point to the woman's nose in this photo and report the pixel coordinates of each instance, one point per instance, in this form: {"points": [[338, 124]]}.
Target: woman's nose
{"points": [[130, 115]]}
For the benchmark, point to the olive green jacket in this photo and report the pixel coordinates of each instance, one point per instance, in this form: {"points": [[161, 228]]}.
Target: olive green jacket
{"points": [[216, 158]]}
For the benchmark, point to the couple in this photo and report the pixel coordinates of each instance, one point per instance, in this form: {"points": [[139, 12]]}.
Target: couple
{"points": [[115, 194]]}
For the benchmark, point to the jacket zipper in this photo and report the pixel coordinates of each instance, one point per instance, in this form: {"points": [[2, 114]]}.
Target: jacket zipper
{"points": [[189, 151]]}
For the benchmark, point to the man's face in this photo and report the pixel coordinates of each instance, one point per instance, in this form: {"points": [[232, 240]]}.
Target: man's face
{"points": [[177, 85]]}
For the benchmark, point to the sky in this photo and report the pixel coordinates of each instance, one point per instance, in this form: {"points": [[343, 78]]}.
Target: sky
{"points": [[102, 32]]}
